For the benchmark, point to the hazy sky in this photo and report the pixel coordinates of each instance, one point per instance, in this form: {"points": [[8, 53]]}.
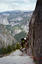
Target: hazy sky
{"points": [[6, 5]]}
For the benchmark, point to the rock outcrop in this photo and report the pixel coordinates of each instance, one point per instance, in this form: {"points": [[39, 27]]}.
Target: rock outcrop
{"points": [[35, 32], [5, 37]]}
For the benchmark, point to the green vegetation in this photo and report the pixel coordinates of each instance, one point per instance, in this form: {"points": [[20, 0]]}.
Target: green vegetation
{"points": [[16, 27], [5, 50], [19, 36], [9, 49], [18, 46]]}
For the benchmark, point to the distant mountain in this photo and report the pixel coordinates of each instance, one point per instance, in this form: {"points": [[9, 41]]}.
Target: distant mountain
{"points": [[13, 17], [15, 12]]}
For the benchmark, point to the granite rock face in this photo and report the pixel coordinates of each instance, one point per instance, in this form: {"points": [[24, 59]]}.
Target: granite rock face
{"points": [[35, 32], [5, 37]]}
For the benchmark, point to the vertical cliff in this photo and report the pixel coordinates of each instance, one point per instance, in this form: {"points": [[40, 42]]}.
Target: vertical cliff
{"points": [[5, 37], [35, 32]]}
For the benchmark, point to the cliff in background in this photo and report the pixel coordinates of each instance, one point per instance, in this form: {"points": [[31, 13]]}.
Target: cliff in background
{"points": [[5, 37]]}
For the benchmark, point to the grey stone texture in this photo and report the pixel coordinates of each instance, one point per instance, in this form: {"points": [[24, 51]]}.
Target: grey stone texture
{"points": [[35, 32]]}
